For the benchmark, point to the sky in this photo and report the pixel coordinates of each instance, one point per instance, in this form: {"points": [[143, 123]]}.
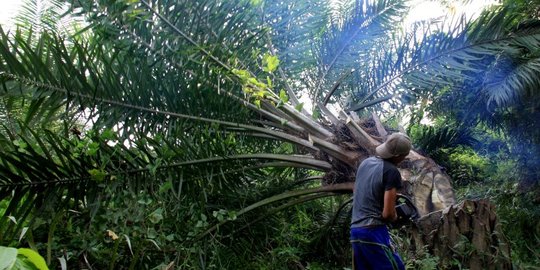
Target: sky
{"points": [[8, 9]]}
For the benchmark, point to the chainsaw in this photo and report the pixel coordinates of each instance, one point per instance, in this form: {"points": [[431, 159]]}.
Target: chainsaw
{"points": [[407, 213]]}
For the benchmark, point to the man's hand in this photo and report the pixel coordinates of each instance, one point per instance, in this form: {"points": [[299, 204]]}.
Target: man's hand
{"points": [[389, 208]]}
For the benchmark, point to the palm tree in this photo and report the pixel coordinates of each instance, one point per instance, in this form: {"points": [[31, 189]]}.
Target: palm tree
{"points": [[202, 99], [500, 92]]}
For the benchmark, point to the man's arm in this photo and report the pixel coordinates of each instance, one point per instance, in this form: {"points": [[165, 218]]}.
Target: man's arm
{"points": [[389, 208]]}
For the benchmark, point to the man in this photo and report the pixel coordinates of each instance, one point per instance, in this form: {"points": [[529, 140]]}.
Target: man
{"points": [[375, 193]]}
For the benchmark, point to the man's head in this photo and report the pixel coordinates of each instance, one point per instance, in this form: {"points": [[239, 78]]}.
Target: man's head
{"points": [[395, 148]]}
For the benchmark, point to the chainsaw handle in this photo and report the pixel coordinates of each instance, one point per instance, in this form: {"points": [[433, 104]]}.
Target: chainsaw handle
{"points": [[406, 211]]}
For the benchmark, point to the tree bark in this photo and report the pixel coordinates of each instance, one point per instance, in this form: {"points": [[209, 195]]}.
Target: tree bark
{"points": [[425, 182], [466, 234]]}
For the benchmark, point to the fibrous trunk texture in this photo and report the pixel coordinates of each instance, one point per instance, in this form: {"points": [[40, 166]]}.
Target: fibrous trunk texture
{"points": [[429, 187], [466, 234]]}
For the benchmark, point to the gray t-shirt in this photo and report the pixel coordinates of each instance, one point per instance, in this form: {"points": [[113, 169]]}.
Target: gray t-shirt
{"points": [[373, 177]]}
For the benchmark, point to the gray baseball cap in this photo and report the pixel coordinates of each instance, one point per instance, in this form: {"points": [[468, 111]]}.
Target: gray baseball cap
{"points": [[397, 144]]}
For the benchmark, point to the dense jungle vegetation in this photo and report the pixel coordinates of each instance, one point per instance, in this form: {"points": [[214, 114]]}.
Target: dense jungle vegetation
{"points": [[224, 134]]}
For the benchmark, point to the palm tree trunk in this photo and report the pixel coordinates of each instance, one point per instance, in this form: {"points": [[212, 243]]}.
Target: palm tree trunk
{"points": [[468, 232]]}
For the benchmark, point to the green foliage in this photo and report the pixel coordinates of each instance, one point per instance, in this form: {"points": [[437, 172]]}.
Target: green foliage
{"points": [[31, 259], [270, 63], [452, 148], [299, 107], [298, 241], [8, 257], [177, 142], [412, 258], [432, 139], [515, 209], [134, 230], [21, 259], [43, 16], [425, 263], [466, 166]]}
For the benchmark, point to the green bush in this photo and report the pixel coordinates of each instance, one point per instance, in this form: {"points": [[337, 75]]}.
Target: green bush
{"points": [[21, 259], [466, 166]]}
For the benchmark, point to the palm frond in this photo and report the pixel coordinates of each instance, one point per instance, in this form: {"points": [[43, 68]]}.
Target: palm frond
{"points": [[303, 195], [433, 138], [459, 56], [40, 15], [488, 53], [350, 45], [509, 81]]}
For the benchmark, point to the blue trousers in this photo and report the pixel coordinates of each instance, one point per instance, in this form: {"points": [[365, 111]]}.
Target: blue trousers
{"points": [[371, 249]]}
